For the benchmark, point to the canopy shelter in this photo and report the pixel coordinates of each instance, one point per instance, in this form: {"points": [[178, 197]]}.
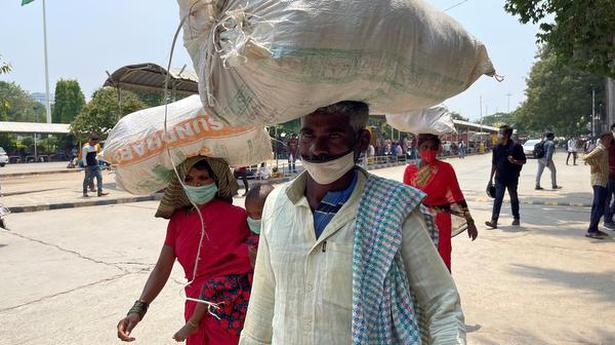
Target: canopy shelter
{"points": [[151, 77], [34, 128]]}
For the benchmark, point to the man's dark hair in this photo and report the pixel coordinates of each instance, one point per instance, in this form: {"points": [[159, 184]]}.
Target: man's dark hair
{"points": [[94, 137], [358, 112], [550, 135], [508, 131], [423, 138]]}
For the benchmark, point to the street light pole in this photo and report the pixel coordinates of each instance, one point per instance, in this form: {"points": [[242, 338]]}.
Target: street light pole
{"points": [[593, 112], [48, 103]]}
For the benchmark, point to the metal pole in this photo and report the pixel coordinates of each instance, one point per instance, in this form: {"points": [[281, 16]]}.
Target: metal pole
{"points": [[593, 112], [48, 103], [35, 149]]}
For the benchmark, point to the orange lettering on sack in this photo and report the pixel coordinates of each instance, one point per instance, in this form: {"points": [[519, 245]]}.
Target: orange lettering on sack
{"points": [[182, 134]]}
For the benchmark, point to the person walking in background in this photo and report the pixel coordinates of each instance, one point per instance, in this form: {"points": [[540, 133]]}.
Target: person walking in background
{"points": [[507, 162], [547, 161], [609, 208], [293, 143], [573, 148], [92, 168], [438, 180], [462, 150], [598, 160], [242, 173]]}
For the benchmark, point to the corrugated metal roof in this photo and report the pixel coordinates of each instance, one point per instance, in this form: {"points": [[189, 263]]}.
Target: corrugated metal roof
{"points": [[476, 126], [34, 127], [152, 76]]}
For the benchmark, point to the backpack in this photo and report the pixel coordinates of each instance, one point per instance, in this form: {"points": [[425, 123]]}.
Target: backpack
{"points": [[539, 150]]}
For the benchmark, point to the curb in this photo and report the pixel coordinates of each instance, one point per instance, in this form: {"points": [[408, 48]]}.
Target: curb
{"points": [[538, 203], [64, 205], [48, 172]]}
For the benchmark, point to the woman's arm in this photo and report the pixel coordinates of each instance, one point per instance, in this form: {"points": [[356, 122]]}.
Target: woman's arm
{"points": [[156, 281]]}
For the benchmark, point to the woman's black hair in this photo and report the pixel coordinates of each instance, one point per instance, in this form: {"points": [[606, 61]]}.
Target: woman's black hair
{"points": [[423, 138]]}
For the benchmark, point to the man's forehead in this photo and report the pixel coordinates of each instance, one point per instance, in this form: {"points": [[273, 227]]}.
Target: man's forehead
{"points": [[326, 121]]}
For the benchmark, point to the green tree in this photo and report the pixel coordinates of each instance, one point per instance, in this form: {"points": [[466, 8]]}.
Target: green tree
{"points": [[5, 67], [103, 112], [582, 34], [558, 97], [69, 101], [18, 105]]}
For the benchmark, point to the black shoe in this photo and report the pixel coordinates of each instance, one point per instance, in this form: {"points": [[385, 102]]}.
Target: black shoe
{"points": [[538, 188], [557, 187], [492, 224], [594, 235], [102, 193], [85, 195], [610, 226], [516, 222]]}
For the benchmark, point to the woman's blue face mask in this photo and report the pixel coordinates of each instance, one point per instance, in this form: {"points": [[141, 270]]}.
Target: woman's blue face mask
{"points": [[201, 195]]}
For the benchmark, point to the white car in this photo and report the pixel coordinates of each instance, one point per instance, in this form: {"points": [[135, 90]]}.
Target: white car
{"points": [[528, 147], [4, 158]]}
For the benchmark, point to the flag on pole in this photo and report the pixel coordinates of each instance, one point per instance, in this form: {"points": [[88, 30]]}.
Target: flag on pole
{"points": [[25, 2]]}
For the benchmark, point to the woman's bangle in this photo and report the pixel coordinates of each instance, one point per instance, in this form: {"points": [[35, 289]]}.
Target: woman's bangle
{"points": [[139, 308]]}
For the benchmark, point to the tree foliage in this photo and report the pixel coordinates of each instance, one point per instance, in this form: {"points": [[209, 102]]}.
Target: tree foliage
{"points": [[582, 34], [18, 105], [69, 101], [559, 97], [5, 67], [500, 119], [102, 113]]}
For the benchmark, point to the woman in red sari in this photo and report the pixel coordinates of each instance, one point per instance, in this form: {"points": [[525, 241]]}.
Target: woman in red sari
{"points": [[437, 179], [223, 273]]}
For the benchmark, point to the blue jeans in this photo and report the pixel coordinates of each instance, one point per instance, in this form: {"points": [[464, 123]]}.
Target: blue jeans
{"points": [[90, 173], [598, 207], [500, 189]]}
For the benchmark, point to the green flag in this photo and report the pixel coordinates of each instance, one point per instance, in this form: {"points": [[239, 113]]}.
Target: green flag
{"points": [[25, 2]]}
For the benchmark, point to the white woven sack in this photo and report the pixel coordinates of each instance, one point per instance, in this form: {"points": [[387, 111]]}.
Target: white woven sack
{"points": [[270, 61], [136, 144], [436, 121]]}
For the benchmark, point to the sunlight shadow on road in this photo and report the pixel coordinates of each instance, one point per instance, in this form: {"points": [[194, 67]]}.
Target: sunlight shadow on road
{"points": [[600, 284]]}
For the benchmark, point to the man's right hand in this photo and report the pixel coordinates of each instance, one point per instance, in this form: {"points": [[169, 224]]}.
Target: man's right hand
{"points": [[126, 325]]}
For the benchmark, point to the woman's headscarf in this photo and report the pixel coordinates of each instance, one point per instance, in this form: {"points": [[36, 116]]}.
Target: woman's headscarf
{"points": [[175, 198]]}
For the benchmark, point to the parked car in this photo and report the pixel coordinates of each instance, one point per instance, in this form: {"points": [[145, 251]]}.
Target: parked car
{"points": [[528, 147], [4, 158]]}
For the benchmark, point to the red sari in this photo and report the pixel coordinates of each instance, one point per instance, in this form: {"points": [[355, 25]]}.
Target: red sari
{"points": [[224, 261], [439, 182]]}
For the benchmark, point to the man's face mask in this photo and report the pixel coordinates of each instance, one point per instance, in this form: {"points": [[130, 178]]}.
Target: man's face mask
{"points": [[328, 171], [254, 225]]}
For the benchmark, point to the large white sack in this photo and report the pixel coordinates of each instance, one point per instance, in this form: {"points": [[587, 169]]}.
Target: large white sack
{"points": [[270, 61], [436, 121], [136, 144]]}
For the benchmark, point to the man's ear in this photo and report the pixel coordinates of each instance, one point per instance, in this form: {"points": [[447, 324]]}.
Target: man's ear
{"points": [[364, 139]]}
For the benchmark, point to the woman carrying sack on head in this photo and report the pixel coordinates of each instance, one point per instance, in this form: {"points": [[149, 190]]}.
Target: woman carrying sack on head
{"points": [[437, 179], [223, 274]]}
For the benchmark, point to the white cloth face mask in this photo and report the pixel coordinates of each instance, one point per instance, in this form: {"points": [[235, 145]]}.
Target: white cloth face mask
{"points": [[328, 172]]}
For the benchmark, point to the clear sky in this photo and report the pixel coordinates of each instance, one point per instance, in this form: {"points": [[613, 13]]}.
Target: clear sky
{"points": [[88, 37]]}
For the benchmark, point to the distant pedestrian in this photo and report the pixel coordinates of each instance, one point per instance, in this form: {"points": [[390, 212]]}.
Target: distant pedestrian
{"points": [[293, 143], [92, 168], [598, 160], [462, 150], [242, 173], [573, 148], [547, 161], [507, 162], [609, 209]]}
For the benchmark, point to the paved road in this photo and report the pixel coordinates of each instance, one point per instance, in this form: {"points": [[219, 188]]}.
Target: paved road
{"points": [[67, 276]]}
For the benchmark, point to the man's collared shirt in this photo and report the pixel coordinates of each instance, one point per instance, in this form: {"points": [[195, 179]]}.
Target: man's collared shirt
{"points": [[330, 204], [598, 159], [302, 290]]}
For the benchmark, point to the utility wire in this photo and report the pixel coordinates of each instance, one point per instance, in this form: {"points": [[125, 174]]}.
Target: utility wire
{"points": [[456, 5]]}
